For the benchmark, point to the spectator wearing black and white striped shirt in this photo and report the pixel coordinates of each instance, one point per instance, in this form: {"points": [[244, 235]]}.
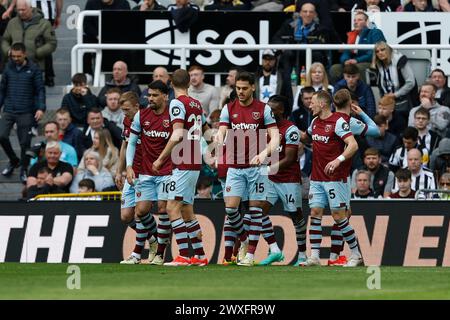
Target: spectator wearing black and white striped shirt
{"points": [[427, 138], [410, 139], [421, 178]]}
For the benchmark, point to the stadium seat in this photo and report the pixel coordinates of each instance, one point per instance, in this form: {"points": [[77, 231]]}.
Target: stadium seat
{"points": [[420, 61]]}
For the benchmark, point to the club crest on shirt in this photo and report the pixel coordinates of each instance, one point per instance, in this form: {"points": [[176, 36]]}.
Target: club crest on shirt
{"points": [[138, 194], [122, 201], [166, 123], [228, 188], [235, 116], [328, 127], [146, 123], [310, 196], [256, 115], [345, 126]]}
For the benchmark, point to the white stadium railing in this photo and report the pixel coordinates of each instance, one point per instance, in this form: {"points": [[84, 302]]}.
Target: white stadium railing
{"points": [[80, 48]]}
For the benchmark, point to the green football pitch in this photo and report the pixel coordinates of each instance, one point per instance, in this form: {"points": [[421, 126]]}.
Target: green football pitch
{"points": [[114, 281]]}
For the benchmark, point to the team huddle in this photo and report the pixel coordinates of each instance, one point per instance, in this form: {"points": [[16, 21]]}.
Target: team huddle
{"points": [[255, 151]]}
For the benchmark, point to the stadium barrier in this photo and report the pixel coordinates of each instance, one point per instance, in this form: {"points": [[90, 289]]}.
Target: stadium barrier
{"points": [[390, 232], [217, 44]]}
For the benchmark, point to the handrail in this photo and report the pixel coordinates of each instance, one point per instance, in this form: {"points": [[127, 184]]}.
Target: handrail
{"points": [[79, 195], [425, 191], [97, 47]]}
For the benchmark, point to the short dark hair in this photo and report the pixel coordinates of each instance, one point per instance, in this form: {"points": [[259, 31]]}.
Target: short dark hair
{"points": [[94, 110], [44, 170], [379, 119], [79, 78], [283, 101], [350, 69], [246, 76], [180, 79], [159, 85], [18, 46], [423, 111], [88, 183], [403, 174], [411, 133], [307, 89]]}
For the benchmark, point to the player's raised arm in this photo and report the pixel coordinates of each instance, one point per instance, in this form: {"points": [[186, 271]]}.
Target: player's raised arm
{"points": [[342, 129], [368, 128]]}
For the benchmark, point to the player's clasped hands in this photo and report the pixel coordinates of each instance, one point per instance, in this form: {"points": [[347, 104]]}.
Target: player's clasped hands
{"points": [[331, 167]]}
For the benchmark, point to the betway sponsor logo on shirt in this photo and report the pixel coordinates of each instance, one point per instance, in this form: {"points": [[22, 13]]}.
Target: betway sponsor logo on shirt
{"points": [[157, 134], [244, 126], [318, 137]]}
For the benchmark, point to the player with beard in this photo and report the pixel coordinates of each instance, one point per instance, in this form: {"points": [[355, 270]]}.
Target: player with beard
{"points": [[153, 126], [243, 124]]}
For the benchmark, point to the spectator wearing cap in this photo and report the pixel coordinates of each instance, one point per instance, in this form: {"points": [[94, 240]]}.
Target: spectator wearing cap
{"points": [[359, 88], [269, 80], [361, 34], [207, 94]]}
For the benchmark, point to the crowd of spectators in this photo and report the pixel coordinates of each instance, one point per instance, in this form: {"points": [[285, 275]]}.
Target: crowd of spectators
{"points": [[80, 149]]}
